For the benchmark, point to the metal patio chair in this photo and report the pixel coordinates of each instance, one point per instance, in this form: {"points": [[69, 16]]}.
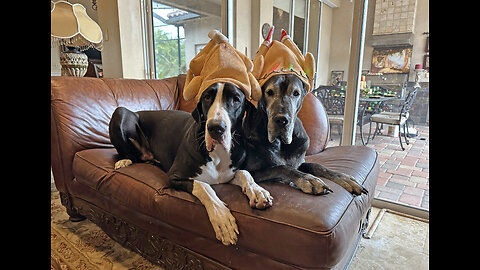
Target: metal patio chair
{"points": [[395, 118], [333, 100]]}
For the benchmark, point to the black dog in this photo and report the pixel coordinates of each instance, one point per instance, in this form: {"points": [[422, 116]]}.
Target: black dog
{"points": [[196, 152], [276, 141]]}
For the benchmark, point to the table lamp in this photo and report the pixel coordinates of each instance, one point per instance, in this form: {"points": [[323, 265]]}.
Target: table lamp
{"points": [[71, 27]]}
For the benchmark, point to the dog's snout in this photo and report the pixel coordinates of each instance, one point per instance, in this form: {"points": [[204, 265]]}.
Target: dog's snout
{"points": [[281, 120], [216, 128]]}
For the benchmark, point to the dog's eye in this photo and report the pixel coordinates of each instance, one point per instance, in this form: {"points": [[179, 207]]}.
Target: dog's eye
{"points": [[236, 99], [207, 97], [270, 93], [296, 93]]}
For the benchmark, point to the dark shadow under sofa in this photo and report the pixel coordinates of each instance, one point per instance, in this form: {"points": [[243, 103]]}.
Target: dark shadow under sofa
{"points": [[134, 206]]}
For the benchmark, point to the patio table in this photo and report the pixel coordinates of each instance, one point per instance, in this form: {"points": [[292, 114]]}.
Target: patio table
{"points": [[376, 108]]}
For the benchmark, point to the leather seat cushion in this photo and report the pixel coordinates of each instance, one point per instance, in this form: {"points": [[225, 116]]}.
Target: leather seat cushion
{"points": [[300, 229]]}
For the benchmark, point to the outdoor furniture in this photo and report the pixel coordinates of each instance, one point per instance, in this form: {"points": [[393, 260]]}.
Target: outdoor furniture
{"points": [[395, 118], [367, 107], [333, 99]]}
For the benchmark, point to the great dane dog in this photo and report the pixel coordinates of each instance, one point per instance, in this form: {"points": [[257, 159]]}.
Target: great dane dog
{"points": [[196, 150], [276, 141]]}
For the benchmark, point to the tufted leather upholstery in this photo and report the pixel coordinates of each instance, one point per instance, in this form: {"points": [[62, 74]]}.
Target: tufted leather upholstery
{"points": [[299, 231]]}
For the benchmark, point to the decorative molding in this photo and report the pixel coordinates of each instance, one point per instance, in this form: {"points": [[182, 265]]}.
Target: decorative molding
{"points": [[72, 211], [152, 247]]}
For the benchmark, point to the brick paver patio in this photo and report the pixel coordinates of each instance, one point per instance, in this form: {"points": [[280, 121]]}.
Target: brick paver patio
{"points": [[404, 175]]}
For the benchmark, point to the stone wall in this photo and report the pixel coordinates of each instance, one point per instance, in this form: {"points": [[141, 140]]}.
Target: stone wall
{"points": [[419, 109]]}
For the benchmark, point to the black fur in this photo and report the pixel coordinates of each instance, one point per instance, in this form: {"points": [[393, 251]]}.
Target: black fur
{"points": [[278, 160], [175, 140]]}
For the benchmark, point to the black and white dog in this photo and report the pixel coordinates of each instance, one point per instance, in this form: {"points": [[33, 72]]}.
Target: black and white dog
{"points": [[196, 150], [276, 141]]}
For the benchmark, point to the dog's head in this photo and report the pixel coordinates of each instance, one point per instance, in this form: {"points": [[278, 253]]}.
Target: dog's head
{"points": [[282, 97], [221, 107]]}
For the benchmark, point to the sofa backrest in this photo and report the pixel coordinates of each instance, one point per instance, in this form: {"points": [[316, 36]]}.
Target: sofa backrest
{"points": [[315, 121], [81, 109]]}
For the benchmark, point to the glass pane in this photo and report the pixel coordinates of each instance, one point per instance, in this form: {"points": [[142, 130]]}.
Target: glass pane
{"points": [[396, 44], [180, 32], [332, 62], [299, 23], [281, 17]]}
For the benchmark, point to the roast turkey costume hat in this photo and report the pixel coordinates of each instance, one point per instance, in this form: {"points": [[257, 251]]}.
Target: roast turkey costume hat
{"points": [[219, 61], [283, 57]]}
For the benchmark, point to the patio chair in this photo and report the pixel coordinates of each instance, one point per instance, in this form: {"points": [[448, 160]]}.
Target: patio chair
{"points": [[395, 118], [333, 99]]}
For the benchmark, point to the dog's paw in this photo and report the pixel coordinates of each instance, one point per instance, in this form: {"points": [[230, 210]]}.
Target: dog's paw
{"points": [[224, 224], [312, 185], [349, 183], [122, 163], [259, 197]]}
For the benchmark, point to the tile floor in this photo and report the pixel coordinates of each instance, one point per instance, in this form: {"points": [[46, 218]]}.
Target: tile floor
{"points": [[404, 175]]}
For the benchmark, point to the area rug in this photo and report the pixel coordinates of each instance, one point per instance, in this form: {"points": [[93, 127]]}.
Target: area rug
{"points": [[398, 243], [83, 245]]}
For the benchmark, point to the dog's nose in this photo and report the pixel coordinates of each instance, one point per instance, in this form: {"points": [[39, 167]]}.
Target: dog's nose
{"points": [[281, 120], [216, 128]]}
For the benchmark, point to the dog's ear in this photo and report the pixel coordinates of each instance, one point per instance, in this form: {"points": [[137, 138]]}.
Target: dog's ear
{"points": [[197, 113], [306, 87]]}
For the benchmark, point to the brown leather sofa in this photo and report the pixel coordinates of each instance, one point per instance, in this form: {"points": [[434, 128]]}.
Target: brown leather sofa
{"points": [[134, 206]]}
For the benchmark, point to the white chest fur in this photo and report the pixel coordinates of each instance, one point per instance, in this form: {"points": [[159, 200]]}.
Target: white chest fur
{"points": [[218, 170]]}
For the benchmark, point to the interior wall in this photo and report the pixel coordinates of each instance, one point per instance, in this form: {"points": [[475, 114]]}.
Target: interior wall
{"points": [[111, 53], [243, 27], [419, 40], [261, 12], [130, 30], [339, 58], [324, 52]]}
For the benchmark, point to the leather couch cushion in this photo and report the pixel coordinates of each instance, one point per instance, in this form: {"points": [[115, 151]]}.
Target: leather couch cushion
{"points": [[300, 229]]}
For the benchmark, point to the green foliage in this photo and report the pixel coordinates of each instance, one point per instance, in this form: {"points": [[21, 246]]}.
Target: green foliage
{"points": [[166, 55]]}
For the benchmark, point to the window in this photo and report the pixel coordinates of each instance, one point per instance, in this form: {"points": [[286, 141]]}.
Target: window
{"points": [[169, 39], [295, 25], [179, 31], [383, 84]]}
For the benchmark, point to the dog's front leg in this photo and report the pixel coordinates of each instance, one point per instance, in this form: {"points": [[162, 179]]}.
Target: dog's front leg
{"points": [[259, 197], [348, 182], [306, 182], [223, 222]]}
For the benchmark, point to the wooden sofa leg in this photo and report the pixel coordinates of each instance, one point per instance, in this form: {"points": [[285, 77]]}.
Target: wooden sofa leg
{"points": [[71, 211]]}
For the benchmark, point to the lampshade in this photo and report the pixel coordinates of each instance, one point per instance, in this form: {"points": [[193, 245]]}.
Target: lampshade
{"points": [[71, 26]]}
